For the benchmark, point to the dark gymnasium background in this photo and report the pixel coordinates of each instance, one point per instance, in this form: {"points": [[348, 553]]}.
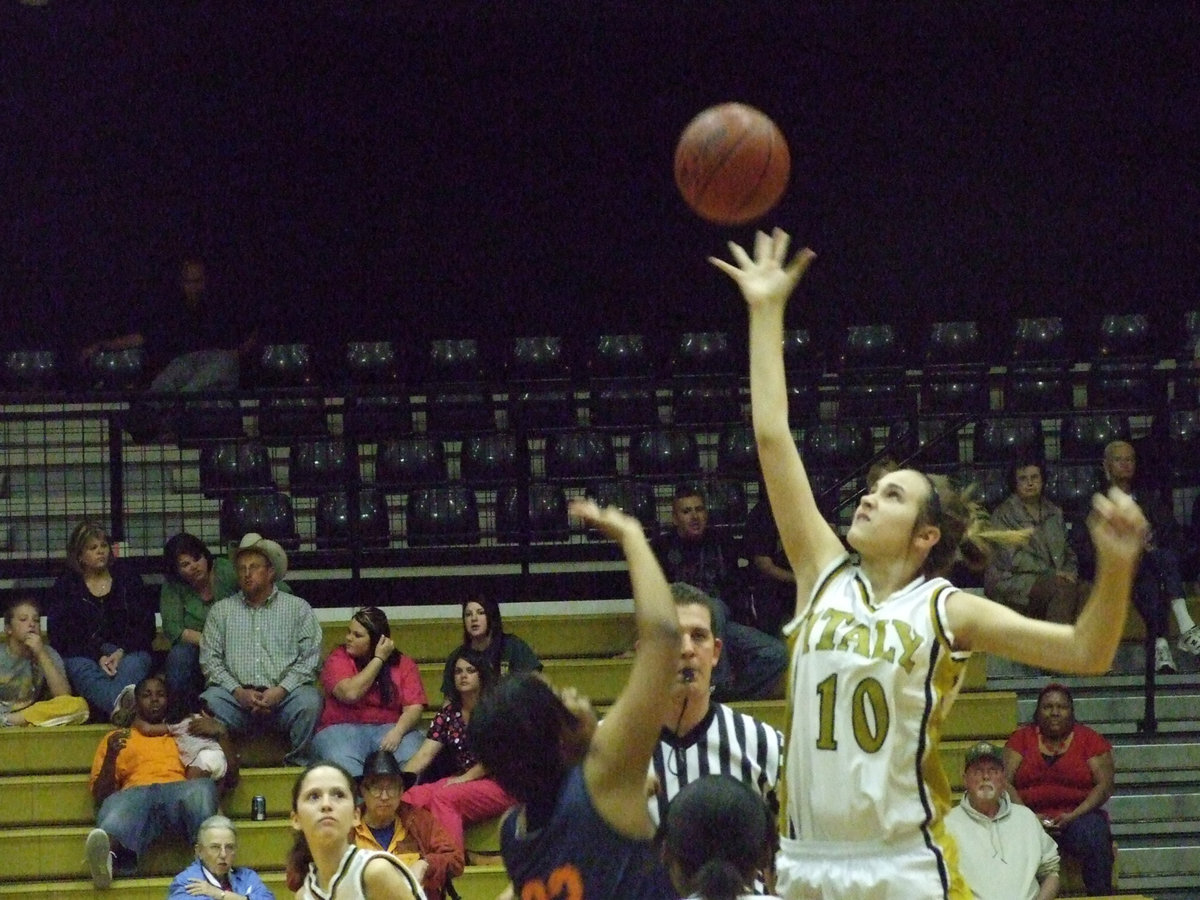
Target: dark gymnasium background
{"points": [[453, 169]]}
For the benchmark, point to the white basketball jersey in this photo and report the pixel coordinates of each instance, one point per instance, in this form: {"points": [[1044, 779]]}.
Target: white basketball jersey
{"points": [[870, 687]]}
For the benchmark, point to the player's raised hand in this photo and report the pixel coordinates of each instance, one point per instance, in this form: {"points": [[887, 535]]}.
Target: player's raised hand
{"points": [[1118, 527], [767, 278], [608, 520]]}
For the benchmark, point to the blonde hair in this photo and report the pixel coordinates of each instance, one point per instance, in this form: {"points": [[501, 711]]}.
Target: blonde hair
{"points": [[84, 533], [963, 521]]}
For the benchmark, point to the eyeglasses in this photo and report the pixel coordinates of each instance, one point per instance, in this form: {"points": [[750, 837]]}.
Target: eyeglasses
{"points": [[384, 789]]}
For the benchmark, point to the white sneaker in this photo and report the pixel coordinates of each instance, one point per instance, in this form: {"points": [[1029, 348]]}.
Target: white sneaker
{"points": [[1189, 641], [124, 706], [98, 850], [1164, 662]]}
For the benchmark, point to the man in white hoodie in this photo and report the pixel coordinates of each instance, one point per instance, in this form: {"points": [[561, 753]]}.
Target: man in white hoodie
{"points": [[1004, 852]]}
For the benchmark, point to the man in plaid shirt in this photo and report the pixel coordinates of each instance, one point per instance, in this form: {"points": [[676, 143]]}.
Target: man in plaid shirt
{"points": [[261, 653]]}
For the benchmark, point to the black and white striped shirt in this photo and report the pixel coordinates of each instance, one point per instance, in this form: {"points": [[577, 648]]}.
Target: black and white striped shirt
{"points": [[724, 742]]}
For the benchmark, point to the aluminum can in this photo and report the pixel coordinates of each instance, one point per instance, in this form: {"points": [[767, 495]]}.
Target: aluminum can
{"points": [[258, 808]]}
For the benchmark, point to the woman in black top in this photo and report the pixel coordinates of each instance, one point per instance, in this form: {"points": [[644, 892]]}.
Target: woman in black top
{"points": [[101, 620]]}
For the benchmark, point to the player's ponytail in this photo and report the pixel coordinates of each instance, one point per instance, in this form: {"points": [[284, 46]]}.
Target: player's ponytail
{"points": [[717, 837], [962, 520]]}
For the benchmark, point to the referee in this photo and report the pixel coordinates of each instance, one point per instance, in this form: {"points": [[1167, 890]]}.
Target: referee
{"points": [[700, 736]]}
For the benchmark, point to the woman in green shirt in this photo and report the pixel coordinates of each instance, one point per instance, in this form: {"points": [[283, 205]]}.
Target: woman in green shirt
{"points": [[195, 579]]}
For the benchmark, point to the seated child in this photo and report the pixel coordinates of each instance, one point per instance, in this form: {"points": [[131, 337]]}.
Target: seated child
{"points": [[199, 745]]}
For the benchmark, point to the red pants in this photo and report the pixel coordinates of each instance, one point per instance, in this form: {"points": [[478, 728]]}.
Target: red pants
{"points": [[456, 805]]}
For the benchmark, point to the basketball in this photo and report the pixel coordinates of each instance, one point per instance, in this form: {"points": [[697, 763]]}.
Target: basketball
{"points": [[732, 164]]}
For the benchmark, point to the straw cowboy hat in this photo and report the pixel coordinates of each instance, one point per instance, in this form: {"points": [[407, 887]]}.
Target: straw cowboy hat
{"points": [[268, 548]]}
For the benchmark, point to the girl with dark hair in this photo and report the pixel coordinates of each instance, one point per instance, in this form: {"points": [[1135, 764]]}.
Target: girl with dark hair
{"points": [[880, 643], [717, 839], [373, 696], [1064, 771], [193, 580], [324, 863], [583, 828], [467, 794], [101, 619], [483, 632]]}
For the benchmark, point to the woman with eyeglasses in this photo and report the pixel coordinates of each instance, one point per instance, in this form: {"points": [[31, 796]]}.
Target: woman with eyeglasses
{"points": [[373, 697]]}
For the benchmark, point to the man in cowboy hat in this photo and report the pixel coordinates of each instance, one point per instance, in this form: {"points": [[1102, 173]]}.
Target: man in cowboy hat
{"points": [[261, 652]]}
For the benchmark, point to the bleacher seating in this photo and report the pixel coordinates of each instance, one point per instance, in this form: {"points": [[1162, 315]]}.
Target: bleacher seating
{"points": [[377, 423], [46, 810]]}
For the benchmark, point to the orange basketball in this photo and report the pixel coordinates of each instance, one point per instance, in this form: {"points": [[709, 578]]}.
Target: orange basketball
{"points": [[732, 164]]}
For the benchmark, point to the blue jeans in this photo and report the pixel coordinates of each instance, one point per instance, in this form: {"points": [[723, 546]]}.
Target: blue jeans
{"points": [[349, 745], [91, 683], [184, 679], [1158, 582], [135, 816], [751, 664], [1089, 840], [296, 715]]}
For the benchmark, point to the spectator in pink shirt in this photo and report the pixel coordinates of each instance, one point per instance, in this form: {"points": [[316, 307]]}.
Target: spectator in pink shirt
{"points": [[373, 697]]}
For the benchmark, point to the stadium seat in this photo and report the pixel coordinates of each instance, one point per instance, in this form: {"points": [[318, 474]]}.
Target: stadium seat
{"points": [[540, 395], [1084, 436], [999, 439], [871, 378], [663, 452], [725, 499], [954, 379], [547, 514], [804, 366], [1038, 377], [315, 467], [442, 516], [288, 418], [270, 515], [333, 520], [201, 421], [372, 362], [1072, 487], [287, 365], [580, 455], [405, 463], [737, 452], [377, 417], [458, 400], [31, 369], [235, 467], [635, 498], [621, 371], [924, 443], [1123, 374], [840, 448], [117, 369], [489, 460]]}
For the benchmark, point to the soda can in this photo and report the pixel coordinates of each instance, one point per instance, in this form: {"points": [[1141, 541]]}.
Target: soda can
{"points": [[258, 808]]}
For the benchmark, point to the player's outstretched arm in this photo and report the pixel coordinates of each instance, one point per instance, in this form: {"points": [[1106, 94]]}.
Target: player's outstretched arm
{"points": [[1118, 531], [766, 281], [619, 756]]}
